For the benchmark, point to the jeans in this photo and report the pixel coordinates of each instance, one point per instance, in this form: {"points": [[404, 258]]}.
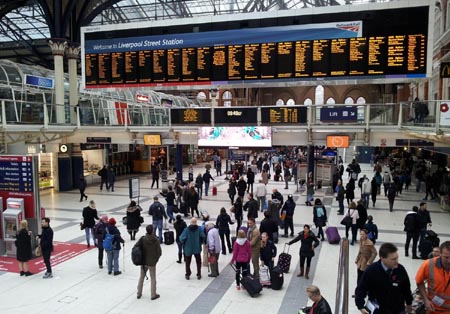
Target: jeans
{"points": [[199, 192], [152, 271], [415, 237], [341, 206], [261, 200], [366, 198], [170, 213], [180, 248], [113, 259], [88, 232], [206, 188], [241, 267], [111, 186], [46, 256], [158, 224]]}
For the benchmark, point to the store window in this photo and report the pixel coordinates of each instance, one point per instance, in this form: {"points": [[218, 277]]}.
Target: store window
{"points": [[279, 102], [227, 97], [290, 102], [361, 101]]}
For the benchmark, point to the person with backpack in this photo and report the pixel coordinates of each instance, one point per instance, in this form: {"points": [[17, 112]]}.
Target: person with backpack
{"points": [[391, 194], [89, 216], [412, 229], [103, 174], [223, 222], [158, 213], [319, 217], [372, 229], [134, 219], [111, 243], [179, 226], [151, 252], [250, 179], [99, 231]]}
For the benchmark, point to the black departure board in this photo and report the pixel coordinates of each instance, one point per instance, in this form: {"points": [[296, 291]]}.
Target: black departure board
{"points": [[416, 53], [219, 67], [204, 64], [173, 65], [131, 67], [91, 69], [285, 59], [236, 115], [145, 66], [104, 68], [159, 65], [117, 68], [321, 57], [235, 62], [303, 57], [357, 56], [376, 55], [195, 116], [252, 59], [188, 64], [338, 57], [268, 60], [396, 54], [283, 115]]}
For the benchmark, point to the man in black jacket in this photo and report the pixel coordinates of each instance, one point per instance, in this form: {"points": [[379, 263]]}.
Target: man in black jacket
{"points": [[289, 207], [387, 284], [423, 216], [277, 196], [103, 173], [46, 244], [320, 305], [412, 231], [251, 206]]}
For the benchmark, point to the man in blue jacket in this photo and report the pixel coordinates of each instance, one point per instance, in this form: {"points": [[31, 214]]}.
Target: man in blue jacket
{"points": [[192, 239]]}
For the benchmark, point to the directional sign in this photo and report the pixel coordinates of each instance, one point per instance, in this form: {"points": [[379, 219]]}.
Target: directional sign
{"points": [[338, 114]]}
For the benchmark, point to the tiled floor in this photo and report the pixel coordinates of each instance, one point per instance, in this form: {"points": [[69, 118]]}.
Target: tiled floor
{"points": [[79, 286]]}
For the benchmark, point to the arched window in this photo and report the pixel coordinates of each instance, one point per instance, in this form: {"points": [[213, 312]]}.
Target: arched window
{"points": [[308, 102], [361, 101], [226, 98], [349, 101], [331, 101], [201, 96], [290, 102], [319, 95], [279, 102]]}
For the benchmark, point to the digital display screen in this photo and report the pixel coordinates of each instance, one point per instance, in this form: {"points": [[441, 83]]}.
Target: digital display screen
{"points": [[284, 115], [91, 69], [248, 136], [131, 66], [190, 116], [152, 139], [236, 115], [174, 65], [188, 64]]}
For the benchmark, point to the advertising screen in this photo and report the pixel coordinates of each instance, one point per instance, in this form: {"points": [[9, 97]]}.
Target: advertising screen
{"points": [[246, 136]]}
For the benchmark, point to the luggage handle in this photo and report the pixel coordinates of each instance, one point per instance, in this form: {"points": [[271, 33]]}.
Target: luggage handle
{"points": [[284, 249]]}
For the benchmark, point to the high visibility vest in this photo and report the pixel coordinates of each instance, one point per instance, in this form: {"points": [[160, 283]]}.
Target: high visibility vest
{"points": [[431, 292]]}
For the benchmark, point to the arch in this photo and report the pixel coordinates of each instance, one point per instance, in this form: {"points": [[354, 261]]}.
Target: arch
{"points": [[319, 95], [202, 96], [349, 101], [279, 102], [290, 102], [361, 100], [308, 102], [331, 101], [226, 98]]}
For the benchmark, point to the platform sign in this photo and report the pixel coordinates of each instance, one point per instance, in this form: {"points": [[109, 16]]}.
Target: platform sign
{"points": [[339, 114]]}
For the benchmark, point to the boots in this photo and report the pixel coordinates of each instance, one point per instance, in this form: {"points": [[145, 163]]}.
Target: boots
{"points": [[179, 259], [301, 272], [307, 273]]}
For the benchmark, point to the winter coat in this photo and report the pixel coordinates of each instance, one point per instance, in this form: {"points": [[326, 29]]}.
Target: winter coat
{"points": [[322, 307], [89, 214], [241, 253], [254, 237], [223, 222], [232, 188], [340, 193], [133, 217], [179, 226], [213, 238], [362, 213], [277, 196], [23, 244], [268, 252], [46, 242], [192, 239], [238, 213], [268, 226], [99, 231], [366, 254], [350, 190], [307, 244], [157, 211], [320, 221], [207, 177], [117, 237], [199, 182], [252, 207], [241, 187], [151, 249], [289, 207]]}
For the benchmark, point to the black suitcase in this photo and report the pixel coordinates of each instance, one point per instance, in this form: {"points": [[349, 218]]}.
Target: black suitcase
{"points": [[427, 244], [169, 237], [252, 285], [277, 278], [276, 177]]}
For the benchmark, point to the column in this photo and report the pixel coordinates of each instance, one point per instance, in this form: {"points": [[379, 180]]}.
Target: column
{"points": [[77, 165], [72, 53], [179, 161], [311, 159], [58, 47]]}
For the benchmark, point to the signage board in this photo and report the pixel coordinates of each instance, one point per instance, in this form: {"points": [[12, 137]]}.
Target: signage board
{"points": [[283, 115], [39, 81], [98, 140], [413, 143], [339, 114], [197, 116], [444, 71], [134, 187], [236, 115], [152, 139], [84, 146], [338, 141]]}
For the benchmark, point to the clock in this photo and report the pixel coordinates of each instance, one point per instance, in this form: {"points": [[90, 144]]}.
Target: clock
{"points": [[63, 148]]}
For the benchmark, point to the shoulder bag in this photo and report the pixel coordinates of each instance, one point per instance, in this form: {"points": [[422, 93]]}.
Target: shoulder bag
{"points": [[347, 220]]}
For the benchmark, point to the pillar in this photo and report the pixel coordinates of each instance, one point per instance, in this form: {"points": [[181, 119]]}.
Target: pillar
{"points": [[77, 164], [311, 159], [179, 161], [58, 47], [72, 53]]}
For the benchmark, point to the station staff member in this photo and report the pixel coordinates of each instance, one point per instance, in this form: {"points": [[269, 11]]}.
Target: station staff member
{"points": [[436, 272]]}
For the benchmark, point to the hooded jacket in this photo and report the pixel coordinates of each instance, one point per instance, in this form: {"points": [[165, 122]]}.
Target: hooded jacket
{"points": [[151, 249], [242, 252], [192, 239]]}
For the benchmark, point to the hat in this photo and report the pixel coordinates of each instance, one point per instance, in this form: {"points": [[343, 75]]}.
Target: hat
{"points": [[112, 221], [290, 196], [92, 204], [105, 218]]}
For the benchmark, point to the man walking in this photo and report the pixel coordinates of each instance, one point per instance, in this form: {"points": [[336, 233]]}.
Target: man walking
{"points": [[261, 193], [424, 220], [214, 247], [289, 207], [192, 239], [103, 173], [207, 177], [46, 244], [151, 252], [158, 213], [252, 206]]}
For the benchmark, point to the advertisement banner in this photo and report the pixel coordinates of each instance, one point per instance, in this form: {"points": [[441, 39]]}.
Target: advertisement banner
{"points": [[249, 136]]}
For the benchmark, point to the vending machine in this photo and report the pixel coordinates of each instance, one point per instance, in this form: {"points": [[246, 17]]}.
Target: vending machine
{"points": [[12, 217]]}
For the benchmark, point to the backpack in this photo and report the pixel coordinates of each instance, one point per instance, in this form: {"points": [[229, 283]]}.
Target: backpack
{"points": [[157, 212], [319, 212], [371, 236], [108, 241], [137, 256]]}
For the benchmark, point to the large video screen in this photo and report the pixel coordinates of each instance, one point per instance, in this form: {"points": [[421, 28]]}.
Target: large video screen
{"points": [[246, 136], [384, 43]]}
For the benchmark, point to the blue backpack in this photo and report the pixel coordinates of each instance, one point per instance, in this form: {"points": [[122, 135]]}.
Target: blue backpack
{"points": [[108, 241]]}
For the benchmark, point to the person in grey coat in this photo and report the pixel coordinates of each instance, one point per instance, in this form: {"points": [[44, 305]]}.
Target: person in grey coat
{"points": [[214, 247]]}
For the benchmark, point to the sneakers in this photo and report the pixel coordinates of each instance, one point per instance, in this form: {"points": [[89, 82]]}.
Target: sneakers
{"points": [[47, 275]]}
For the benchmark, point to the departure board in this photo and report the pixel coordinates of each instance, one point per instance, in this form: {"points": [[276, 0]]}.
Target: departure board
{"points": [[204, 64], [131, 67], [252, 59], [416, 53], [193, 116], [173, 65], [339, 57], [376, 55], [321, 57], [236, 115], [283, 115], [285, 59], [219, 63], [145, 66], [303, 57], [357, 56], [91, 69], [236, 62], [104, 68], [159, 65], [117, 68], [188, 64], [268, 60], [396, 54]]}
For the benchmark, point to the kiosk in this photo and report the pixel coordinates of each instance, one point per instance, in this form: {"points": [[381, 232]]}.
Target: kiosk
{"points": [[12, 217]]}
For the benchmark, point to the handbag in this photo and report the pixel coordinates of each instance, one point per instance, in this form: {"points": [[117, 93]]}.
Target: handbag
{"points": [[283, 215], [141, 219], [212, 259], [38, 251], [124, 220], [82, 227], [264, 277], [347, 220]]}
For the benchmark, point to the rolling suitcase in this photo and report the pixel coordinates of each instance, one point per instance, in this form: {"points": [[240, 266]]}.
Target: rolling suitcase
{"points": [[277, 278], [252, 285], [427, 244], [284, 260], [214, 190], [333, 236], [169, 237], [276, 177]]}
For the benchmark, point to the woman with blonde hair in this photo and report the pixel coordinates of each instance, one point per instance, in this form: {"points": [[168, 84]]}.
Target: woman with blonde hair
{"points": [[366, 254], [23, 244]]}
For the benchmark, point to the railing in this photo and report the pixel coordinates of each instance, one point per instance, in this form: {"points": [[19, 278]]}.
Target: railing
{"points": [[341, 305]]}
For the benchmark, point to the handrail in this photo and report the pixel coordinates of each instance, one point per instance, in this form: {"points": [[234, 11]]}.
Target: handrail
{"points": [[341, 306]]}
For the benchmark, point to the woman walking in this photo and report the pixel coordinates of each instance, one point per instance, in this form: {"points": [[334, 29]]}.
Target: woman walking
{"points": [[242, 254], [366, 254], [353, 214], [374, 190], [238, 213], [350, 191], [320, 217], [193, 200], [223, 222], [23, 244], [89, 216], [232, 190], [308, 243], [179, 226], [134, 219]]}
